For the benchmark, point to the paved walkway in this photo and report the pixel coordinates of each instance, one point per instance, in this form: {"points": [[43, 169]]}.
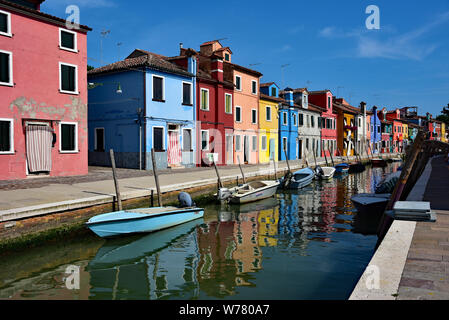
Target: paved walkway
{"points": [[426, 270]]}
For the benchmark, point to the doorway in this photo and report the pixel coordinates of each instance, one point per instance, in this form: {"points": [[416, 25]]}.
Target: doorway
{"points": [[39, 144]]}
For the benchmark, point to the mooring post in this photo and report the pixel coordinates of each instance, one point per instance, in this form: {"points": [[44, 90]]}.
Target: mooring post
{"points": [[152, 198], [241, 170], [156, 178], [274, 165], [114, 175], [220, 184]]}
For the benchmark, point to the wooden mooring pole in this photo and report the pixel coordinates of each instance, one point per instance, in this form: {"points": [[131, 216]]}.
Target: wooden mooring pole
{"points": [[220, 184], [274, 165], [114, 175], [156, 178], [241, 170]]}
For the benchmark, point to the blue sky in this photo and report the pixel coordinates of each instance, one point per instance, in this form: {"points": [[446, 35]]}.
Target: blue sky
{"points": [[325, 43]]}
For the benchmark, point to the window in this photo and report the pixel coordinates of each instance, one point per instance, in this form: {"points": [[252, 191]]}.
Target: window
{"points": [[68, 78], [187, 93], [237, 143], [67, 40], [268, 113], [264, 143], [158, 139], [5, 24], [253, 116], [6, 136], [204, 140], [273, 92], [6, 68], [226, 56], [284, 143], [285, 118], [308, 121], [187, 140], [238, 83], [204, 99], [238, 114], [158, 89], [228, 103], [301, 119], [329, 102], [254, 87], [307, 144], [68, 137], [99, 139], [254, 143], [313, 121], [294, 119]]}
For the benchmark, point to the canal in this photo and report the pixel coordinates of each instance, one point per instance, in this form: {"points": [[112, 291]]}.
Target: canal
{"points": [[306, 244]]}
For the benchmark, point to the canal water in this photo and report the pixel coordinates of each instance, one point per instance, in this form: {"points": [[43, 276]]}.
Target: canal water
{"points": [[306, 244]]}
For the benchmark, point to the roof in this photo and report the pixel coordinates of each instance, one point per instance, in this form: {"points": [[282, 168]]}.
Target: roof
{"points": [[243, 69], [262, 85], [142, 59], [346, 108], [270, 98], [37, 14], [320, 91], [315, 108]]}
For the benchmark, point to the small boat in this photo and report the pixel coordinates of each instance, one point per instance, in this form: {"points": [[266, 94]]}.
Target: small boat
{"points": [[325, 173], [396, 159], [379, 163], [371, 204], [356, 167], [249, 192], [342, 168], [144, 220], [300, 179]]}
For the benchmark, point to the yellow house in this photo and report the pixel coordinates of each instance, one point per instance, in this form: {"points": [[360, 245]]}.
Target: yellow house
{"points": [[268, 122], [443, 132], [404, 131], [346, 126], [268, 227]]}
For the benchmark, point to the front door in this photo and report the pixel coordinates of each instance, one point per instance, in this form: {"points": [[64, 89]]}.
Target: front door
{"points": [[272, 148], [246, 149], [229, 149], [39, 141], [300, 149], [174, 147]]}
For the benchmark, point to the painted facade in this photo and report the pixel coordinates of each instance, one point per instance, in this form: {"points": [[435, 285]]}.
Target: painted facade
{"points": [[376, 133], [43, 118], [246, 106], [215, 107], [323, 99], [309, 122], [155, 110], [346, 127], [268, 122], [288, 127]]}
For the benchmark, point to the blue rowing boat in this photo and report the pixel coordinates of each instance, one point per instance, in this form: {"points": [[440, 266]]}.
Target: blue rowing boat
{"points": [[300, 179], [141, 220], [342, 168]]}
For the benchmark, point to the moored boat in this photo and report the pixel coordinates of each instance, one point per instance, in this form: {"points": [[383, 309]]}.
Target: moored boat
{"points": [[342, 168], [249, 192], [371, 204], [378, 162], [325, 173], [300, 179]]}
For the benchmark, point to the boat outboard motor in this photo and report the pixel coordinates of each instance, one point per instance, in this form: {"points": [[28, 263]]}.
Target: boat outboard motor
{"points": [[224, 194], [319, 171], [185, 200]]}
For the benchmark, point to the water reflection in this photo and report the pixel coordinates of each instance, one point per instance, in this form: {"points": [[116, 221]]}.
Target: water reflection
{"points": [[305, 244]]}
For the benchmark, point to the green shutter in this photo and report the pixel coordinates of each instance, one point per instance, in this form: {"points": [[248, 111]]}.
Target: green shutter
{"points": [[68, 78], [67, 40], [3, 23], [68, 137]]}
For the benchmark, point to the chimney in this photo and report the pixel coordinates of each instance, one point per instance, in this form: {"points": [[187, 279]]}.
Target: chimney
{"points": [[288, 96], [216, 68], [363, 108], [180, 46]]}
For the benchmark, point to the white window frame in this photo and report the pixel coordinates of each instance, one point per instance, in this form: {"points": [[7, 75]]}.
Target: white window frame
{"points": [[235, 80], [75, 40], [76, 137], [201, 99], [240, 108], [152, 86], [11, 80], [238, 146], [191, 92], [11, 136], [284, 144], [284, 118], [268, 112], [253, 110], [254, 81], [208, 140], [104, 139], [295, 123], [8, 21], [261, 143], [76, 92], [228, 94], [163, 137]]}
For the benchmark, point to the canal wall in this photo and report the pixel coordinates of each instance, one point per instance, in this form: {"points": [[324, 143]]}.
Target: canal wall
{"points": [[382, 276], [24, 226]]}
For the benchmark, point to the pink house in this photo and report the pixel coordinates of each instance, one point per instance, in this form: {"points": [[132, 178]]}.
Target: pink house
{"points": [[43, 93]]}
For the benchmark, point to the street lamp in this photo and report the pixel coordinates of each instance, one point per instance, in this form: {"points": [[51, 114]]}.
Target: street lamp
{"points": [[92, 85]]}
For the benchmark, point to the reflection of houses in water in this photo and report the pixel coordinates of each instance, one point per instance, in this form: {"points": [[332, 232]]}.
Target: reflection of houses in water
{"points": [[268, 227], [329, 199], [247, 254], [158, 265]]}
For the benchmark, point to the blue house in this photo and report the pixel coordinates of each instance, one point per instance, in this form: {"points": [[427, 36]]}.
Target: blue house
{"points": [[143, 102], [288, 127], [376, 134]]}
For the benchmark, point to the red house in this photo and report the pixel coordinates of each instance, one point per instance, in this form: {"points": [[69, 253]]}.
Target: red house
{"points": [[323, 99], [398, 138], [43, 93]]}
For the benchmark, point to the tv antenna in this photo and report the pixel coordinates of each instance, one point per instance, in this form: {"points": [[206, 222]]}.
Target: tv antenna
{"points": [[103, 33], [118, 48]]}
